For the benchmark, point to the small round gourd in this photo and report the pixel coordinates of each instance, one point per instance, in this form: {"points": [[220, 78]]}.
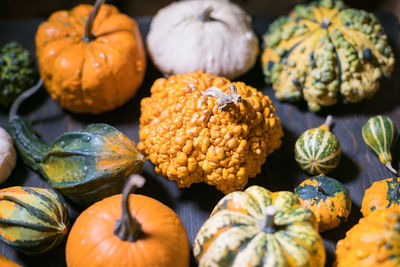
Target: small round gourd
{"points": [[327, 198], [381, 195], [211, 35], [141, 232], [325, 52], [374, 241], [256, 227], [8, 156], [380, 134], [317, 151], [32, 220]]}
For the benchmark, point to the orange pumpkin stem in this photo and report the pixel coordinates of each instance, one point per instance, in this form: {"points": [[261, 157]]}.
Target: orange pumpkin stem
{"points": [[14, 108], [224, 101], [268, 224], [128, 228], [88, 36], [327, 124]]}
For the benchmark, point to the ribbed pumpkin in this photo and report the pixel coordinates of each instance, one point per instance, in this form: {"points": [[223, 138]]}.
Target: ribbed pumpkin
{"points": [[259, 228], [380, 134], [5, 262], [381, 195], [128, 230], [327, 198], [85, 165], [199, 127], [374, 241], [92, 59], [32, 220], [324, 52], [317, 150]]}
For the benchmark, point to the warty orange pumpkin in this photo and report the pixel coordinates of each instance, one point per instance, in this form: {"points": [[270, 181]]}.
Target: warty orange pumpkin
{"points": [[147, 234], [86, 54], [200, 127]]}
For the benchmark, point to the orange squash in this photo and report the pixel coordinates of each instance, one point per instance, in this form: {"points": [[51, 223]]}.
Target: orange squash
{"points": [[148, 233], [91, 59], [5, 262], [374, 241], [381, 195]]}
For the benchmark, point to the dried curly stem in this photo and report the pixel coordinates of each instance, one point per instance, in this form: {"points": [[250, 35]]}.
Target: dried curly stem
{"points": [[320, 190], [14, 108], [128, 228], [390, 167], [224, 101], [327, 124], [88, 35]]}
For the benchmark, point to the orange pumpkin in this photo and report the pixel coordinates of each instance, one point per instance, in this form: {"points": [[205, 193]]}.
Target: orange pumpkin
{"points": [[90, 64], [374, 241], [5, 262], [148, 233]]}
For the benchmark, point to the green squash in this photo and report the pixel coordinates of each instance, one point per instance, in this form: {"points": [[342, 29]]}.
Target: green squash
{"points": [[328, 198], [317, 150], [259, 228], [32, 220], [325, 52], [86, 165], [380, 134]]}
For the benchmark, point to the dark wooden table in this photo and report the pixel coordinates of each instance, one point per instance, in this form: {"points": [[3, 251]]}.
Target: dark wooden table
{"points": [[358, 169]]}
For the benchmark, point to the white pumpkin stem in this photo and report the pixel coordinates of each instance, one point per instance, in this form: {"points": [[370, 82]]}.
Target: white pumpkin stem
{"points": [[390, 167], [128, 228], [267, 224], [14, 107], [224, 101], [88, 35], [206, 15]]}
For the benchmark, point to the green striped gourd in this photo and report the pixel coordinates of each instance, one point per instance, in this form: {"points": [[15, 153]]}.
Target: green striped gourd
{"points": [[325, 52], [380, 134], [86, 165], [259, 228], [32, 220], [317, 151]]}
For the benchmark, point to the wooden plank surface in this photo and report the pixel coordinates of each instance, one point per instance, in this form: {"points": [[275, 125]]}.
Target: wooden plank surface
{"points": [[358, 169]]}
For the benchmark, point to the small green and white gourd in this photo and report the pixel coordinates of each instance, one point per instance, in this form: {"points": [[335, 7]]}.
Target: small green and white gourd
{"points": [[317, 151], [380, 134]]}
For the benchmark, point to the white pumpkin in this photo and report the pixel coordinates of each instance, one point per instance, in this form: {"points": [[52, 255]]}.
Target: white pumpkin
{"points": [[8, 155], [214, 36]]}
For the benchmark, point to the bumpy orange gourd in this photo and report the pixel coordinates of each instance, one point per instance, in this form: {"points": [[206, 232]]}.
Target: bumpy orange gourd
{"points": [[381, 195], [92, 70], [142, 232], [374, 241], [199, 127]]}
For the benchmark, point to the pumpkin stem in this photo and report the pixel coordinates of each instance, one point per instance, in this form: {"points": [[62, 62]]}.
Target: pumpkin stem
{"points": [[88, 36], [396, 193], [14, 108], [327, 124], [206, 15], [224, 101], [267, 224], [390, 167], [128, 228], [320, 190]]}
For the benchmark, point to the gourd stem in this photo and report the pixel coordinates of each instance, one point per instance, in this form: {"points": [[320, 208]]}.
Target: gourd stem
{"points": [[128, 228], [14, 108], [206, 15], [320, 189], [224, 101], [267, 224], [390, 167], [88, 35], [396, 193], [327, 124]]}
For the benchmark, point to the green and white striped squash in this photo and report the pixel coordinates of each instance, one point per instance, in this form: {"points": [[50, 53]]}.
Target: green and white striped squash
{"points": [[32, 220], [258, 227], [317, 151], [380, 134]]}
